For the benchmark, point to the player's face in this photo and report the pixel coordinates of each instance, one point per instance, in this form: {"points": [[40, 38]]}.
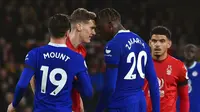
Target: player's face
{"points": [[104, 28], [159, 44], [87, 31], [189, 53]]}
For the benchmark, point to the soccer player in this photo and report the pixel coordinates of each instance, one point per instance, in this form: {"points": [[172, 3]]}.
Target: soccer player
{"points": [[82, 30], [171, 73], [55, 67], [128, 62], [193, 68]]}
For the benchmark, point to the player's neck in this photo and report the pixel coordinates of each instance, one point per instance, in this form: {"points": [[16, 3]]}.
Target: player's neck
{"points": [[58, 40], [188, 63], [118, 28], [74, 38], [160, 58]]}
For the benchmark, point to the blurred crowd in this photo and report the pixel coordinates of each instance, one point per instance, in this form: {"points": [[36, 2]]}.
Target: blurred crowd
{"points": [[23, 26]]}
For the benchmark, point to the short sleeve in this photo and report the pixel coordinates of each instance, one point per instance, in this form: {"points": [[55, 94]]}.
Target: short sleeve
{"points": [[112, 53], [30, 59], [183, 74], [79, 64]]}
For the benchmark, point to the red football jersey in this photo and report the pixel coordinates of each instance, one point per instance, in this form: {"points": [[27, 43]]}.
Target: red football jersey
{"points": [[170, 72], [80, 49], [75, 94]]}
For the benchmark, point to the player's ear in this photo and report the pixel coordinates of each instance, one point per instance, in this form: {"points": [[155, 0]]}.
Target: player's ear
{"points": [[79, 26], [169, 43], [150, 42], [110, 25]]}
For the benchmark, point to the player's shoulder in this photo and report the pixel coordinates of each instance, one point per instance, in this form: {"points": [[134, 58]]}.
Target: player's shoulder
{"points": [[58, 48], [195, 65], [175, 60], [73, 53], [123, 34], [177, 63], [76, 58], [34, 50], [198, 64]]}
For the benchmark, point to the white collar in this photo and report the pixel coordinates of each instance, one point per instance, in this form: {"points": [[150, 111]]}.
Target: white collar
{"points": [[57, 45], [193, 65], [122, 31]]}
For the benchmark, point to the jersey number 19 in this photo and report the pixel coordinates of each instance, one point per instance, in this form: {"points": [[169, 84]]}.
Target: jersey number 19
{"points": [[59, 83]]}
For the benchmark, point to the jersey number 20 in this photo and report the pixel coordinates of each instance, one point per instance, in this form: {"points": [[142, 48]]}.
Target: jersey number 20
{"points": [[59, 83], [138, 61]]}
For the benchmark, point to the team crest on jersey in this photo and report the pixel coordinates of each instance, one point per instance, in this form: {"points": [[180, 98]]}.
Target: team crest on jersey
{"points": [[169, 70], [194, 74]]}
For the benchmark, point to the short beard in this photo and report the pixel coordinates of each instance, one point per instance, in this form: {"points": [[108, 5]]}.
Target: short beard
{"points": [[157, 56]]}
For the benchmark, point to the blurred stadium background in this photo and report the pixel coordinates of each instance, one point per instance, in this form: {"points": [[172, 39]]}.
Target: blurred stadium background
{"points": [[23, 26]]}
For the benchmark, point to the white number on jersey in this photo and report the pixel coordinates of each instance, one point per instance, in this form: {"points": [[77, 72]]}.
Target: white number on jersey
{"points": [[138, 61], [59, 83]]}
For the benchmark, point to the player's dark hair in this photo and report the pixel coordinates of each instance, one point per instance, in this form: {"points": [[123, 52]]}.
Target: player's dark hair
{"points": [[161, 30], [82, 15], [190, 46], [58, 25], [109, 14]]}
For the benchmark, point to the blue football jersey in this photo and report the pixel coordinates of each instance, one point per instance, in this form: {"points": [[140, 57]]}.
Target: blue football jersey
{"points": [[194, 91], [131, 54], [55, 67]]}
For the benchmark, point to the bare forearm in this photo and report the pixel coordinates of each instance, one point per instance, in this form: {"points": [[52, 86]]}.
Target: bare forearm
{"points": [[32, 83], [81, 105]]}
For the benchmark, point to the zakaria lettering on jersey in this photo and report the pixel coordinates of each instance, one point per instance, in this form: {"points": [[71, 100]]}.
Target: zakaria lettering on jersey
{"points": [[132, 41]]}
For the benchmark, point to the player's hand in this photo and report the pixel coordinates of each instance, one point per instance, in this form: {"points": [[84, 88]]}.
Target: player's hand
{"points": [[82, 110], [75, 78], [11, 108]]}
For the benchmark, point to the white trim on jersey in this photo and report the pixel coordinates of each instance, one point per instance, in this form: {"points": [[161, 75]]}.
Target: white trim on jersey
{"points": [[193, 65], [122, 31], [57, 45]]}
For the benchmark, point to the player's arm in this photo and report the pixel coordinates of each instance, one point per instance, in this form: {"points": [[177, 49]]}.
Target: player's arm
{"points": [[183, 90], [25, 78], [153, 84], [81, 105], [84, 85], [32, 83], [112, 57]]}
